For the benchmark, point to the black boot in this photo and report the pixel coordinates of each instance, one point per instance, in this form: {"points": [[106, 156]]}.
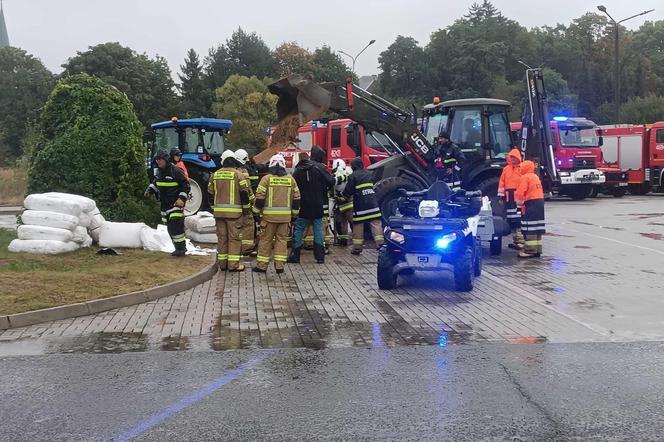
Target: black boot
{"points": [[294, 257], [319, 253]]}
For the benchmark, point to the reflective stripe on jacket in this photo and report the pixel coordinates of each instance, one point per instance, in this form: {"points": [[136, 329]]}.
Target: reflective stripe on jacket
{"points": [[172, 186], [230, 191], [277, 198], [360, 187]]}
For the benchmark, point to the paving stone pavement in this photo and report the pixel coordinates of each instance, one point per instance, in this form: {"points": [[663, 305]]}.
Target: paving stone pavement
{"points": [[317, 306]]}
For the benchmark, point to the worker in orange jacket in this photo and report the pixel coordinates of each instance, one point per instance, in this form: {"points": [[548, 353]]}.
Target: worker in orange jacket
{"points": [[509, 181], [176, 158], [530, 196]]}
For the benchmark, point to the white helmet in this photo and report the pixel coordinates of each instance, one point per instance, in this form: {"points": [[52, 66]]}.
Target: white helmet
{"points": [[339, 165], [242, 156], [226, 154], [278, 160]]}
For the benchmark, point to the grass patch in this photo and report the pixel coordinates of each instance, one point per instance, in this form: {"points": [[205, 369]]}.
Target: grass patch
{"points": [[30, 282], [13, 183]]}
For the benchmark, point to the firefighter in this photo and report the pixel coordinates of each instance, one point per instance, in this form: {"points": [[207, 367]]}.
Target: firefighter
{"points": [[277, 202], [365, 207], [176, 158], [509, 181], [250, 165], [343, 205], [314, 183], [230, 191], [449, 159], [172, 189], [530, 196], [248, 233]]}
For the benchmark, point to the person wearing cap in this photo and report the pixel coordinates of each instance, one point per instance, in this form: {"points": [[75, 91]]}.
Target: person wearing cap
{"points": [[230, 192], [277, 203], [176, 158], [448, 161], [172, 189], [248, 233]]}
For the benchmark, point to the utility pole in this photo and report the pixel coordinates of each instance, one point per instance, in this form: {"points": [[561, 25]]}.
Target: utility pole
{"points": [[616, 56], [358, 54]]}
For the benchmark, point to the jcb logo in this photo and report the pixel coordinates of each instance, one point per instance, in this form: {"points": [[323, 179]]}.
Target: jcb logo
{"points": [[421, 145]]}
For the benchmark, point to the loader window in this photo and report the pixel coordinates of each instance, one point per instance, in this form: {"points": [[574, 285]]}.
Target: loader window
{"points": [[435, 124], [466, 129], [376, 142], [501, 141], [214, 142], [166, 139]]}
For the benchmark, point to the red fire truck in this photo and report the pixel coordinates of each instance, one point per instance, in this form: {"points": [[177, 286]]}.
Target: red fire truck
{"points": [[637, 150], [341, 138], [582, 168]]}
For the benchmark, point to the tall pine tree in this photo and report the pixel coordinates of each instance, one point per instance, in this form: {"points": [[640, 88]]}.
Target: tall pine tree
{"points": [[196, 97]]}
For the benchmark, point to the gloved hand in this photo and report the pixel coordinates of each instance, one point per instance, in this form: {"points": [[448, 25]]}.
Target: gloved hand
{"points": [[179, 203]]}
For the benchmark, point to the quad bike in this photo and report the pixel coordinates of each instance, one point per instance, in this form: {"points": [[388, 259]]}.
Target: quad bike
{"points": [[434, 229]]}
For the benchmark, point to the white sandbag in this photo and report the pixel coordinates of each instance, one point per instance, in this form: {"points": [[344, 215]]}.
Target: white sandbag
{"points": [[207, 238], [202, 222], [156, 240], [80, 235], [96, 221], [46, 247], [94, 234], [87, 242], [86, 204], [44, 203], [121, 235], [84, 219], [49, 219], [93, 212], [28, 232]]}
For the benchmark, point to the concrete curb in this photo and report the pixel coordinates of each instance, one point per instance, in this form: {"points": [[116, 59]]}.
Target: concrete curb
{"points": [[10, 210], [101, 305]]}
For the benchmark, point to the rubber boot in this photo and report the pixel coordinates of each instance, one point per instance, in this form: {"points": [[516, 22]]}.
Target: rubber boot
{"points": [[294, 257], [319, 253]]}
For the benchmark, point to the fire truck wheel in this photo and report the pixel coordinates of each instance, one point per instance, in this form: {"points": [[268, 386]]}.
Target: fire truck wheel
{"points": [[594, 191], [618, 192], [638, 189]]}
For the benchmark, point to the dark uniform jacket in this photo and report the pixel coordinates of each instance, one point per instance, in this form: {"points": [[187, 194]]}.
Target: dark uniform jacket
{"points": [[314, 183], [360, 187], [171, 185]]}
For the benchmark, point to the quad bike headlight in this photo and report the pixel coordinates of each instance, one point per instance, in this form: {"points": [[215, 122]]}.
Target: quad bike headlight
{"points": [[397, 237], [443, 242]]}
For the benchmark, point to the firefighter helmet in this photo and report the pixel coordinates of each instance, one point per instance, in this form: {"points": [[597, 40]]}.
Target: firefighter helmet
{"points": [[278, 160], [242, 156]]}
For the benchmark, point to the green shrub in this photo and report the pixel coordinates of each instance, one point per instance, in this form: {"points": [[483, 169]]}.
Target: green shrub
{"points": [[90, 144]]}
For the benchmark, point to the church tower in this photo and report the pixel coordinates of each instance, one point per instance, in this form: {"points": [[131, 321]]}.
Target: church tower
{"points": [[4, 37]]}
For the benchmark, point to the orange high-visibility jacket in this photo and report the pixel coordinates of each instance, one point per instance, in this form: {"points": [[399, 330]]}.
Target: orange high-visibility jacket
{"points": [[182, 166], [511, 176], [530, 186]]}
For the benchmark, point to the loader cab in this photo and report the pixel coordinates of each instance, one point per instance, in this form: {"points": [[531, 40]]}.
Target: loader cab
{"points": [[479, 126]]}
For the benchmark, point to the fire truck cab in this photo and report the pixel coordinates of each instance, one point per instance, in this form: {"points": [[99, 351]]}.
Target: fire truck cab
{"points": [[342, 138], [638, 151]]}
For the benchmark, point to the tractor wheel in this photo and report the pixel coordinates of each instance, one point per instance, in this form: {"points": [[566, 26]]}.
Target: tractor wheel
{"points": [[198, 181], [387, 280], [618, 192], [464, 271], [387, 193], [488, 186]]}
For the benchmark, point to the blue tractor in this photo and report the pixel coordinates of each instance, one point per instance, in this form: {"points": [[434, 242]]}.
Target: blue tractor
{"points": [[201, 141]]}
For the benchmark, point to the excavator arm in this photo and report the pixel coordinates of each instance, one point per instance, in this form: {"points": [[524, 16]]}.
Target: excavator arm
{"points": [[303, 97], [536, 138]]}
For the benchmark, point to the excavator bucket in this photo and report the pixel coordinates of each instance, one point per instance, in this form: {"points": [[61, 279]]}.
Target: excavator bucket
{"points": [[300, 96]]}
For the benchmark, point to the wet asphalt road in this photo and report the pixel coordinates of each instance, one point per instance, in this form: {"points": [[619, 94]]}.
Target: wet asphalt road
{"points": [[607, 391]]}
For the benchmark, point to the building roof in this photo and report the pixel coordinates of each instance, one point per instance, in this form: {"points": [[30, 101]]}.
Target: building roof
{"points": [[4, 36]]}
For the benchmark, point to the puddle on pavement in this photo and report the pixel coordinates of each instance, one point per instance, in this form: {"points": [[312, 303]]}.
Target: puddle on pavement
{"points": [[656, 224], [582, 247], [558, 235], [593, 273], [655, 236], [592, 304]]}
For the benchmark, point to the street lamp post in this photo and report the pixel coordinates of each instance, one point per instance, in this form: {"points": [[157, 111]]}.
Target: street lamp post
{"points": [[358, 54], [616, 55]]}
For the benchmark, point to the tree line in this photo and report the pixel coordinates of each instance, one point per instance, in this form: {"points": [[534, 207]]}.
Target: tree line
{"points": [[480, 54]]}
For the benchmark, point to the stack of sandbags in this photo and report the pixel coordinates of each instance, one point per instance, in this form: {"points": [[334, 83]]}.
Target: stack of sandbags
{"points": [[201, 228], [52, 224]]}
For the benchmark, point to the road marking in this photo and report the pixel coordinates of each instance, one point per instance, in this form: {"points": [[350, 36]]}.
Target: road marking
{"points": [[183, 403], [617, 241]]}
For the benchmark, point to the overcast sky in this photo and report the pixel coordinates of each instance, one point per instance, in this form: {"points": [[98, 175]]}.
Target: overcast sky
{"points": [[54, 30]]}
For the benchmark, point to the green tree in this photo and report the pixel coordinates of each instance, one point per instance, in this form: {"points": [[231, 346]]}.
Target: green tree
{"points": [[196, 98], [90, 144], [24, 86], [641, 110], [147, 82], [252, 108], [328, 65], [649, 41], [403, 69], [242, 54]]}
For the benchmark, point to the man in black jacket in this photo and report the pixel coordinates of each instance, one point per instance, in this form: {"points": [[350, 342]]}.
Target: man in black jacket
{"points": [[360, 187], [314, 183], [172, 188]]}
